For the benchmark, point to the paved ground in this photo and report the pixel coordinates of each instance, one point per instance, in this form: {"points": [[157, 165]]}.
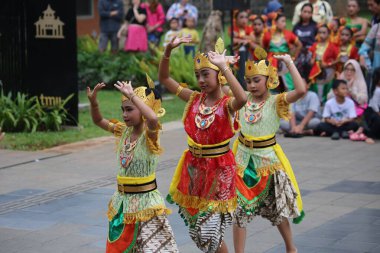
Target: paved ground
{"points": [[55, 200]]}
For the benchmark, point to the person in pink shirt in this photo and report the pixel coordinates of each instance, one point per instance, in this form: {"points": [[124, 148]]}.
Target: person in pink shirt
{"points": [[155, 20]]}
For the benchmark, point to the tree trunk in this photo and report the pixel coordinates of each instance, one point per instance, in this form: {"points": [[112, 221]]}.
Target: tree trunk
{"points": [[211, 31]]}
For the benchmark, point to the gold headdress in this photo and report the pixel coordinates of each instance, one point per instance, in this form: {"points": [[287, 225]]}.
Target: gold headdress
{"points": [[201, 61], [262, 67], [149, 99]]}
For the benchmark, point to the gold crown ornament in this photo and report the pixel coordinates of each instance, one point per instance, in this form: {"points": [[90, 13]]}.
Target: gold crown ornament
{"points": [[150, 100], [201, 61], [262, 67]]}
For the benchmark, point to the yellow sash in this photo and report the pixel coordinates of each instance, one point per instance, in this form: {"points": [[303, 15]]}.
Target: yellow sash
{"points": [[284, 161]]}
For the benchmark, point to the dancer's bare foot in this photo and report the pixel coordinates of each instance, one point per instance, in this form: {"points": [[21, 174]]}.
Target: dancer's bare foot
{"points": [[369, 141], [292, 251]]}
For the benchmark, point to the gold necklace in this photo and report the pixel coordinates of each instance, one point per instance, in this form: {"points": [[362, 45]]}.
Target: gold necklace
{"points": [[254, 112], [127, 151], [206, 115]]}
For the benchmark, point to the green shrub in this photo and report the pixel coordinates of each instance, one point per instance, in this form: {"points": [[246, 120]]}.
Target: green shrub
{"points": [[95, 67], [22, 113]]}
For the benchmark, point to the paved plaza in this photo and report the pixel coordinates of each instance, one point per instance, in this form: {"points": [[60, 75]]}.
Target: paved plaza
{"points": [[56, 200]]}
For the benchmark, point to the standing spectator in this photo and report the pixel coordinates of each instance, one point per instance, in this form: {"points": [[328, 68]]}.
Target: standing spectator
{"points": [[347, 48], [374, 7], [357, 24], [242, 35], [174, 30], [370, 53], [155, 20], [324, 58], [272, 9], [339, 114], [259, 28], [111, 15], [189, 29], [322, 13], [370, 49], [305, 30], [182, 10], [135, 25], [277, 41], [372, 114]]}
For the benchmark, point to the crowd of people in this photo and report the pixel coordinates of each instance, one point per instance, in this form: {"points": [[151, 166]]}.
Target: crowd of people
{"points": [[326, 70], [144, 23], [331, 52]]}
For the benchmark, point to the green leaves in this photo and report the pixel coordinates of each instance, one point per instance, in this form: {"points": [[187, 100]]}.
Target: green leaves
{"points": [[25, 114], [95, 67]]}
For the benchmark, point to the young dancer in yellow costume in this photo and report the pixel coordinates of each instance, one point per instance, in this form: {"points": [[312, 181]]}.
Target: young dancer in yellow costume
{"points": [[265, 181]]}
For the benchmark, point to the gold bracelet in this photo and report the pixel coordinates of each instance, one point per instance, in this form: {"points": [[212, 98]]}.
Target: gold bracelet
{"points": [[225, 69], [179, 89], [290, 63]]}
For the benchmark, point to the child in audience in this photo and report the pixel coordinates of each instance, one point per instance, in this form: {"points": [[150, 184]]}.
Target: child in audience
{"points": [[189, 29], [259, 28], [347, 48], [339, 113], [174, 30]]}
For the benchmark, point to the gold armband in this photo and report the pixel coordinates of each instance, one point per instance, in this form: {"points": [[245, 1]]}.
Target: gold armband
{"points": [[179, 90]]}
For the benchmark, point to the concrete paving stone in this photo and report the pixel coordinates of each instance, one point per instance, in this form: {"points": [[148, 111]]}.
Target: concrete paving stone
{"points": [[10, 233], [322, 198], [300, 248], [4, 198], [374, 250], [97, 231], [346, 244], [373, 205], [314, 242], [363, 237], [348, 201], [25, 223], [351, 186], [367, 212], [102, 191], [324, 233], [100, 244]]}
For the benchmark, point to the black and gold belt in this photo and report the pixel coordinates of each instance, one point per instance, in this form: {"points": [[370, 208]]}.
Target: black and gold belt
{"points": [[137, 188], [257, 144], [211, 151]]}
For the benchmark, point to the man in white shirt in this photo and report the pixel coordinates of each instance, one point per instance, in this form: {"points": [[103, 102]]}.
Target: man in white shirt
{"points": [[322, 12]]}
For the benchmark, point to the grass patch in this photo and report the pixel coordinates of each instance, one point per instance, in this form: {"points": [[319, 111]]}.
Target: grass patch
{"points": [[110, 107]]}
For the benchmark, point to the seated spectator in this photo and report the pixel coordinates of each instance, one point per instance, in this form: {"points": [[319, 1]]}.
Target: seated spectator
{"points": [[372, 113], [155, 20], [305, 116], [322, 12], [357, 87], [339, 114], [182, 10], [174, 31], [137, 39], [190, 30]]}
